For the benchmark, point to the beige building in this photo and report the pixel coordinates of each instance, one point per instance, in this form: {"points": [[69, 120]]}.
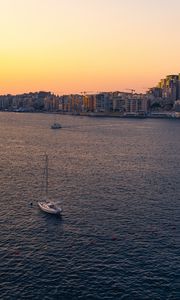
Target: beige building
{"points": [[136, 104]]}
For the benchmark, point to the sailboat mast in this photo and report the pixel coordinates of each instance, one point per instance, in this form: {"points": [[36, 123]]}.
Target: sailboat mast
{"points": [[46, 158]]}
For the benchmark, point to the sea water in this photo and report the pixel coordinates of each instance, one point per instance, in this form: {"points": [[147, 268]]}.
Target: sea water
{"points": [[118, 182]]}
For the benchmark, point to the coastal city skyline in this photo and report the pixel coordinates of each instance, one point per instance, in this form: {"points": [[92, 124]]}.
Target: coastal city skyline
{"points": [[70, 46], [163, 100], [89, 149]]}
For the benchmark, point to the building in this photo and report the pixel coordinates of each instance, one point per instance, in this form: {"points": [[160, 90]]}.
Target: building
{"points": [[103, 102]]}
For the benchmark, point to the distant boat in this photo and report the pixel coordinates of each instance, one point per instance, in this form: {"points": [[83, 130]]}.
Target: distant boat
{"points": [[47, 205], [56, 126]]}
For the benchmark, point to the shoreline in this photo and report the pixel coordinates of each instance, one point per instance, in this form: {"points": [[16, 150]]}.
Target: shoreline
{"points": [[106, 115]]}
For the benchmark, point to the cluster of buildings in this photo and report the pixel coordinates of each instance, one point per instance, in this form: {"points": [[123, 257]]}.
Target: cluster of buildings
{"points": [[105, 102], [28, 102], [165, 97]]}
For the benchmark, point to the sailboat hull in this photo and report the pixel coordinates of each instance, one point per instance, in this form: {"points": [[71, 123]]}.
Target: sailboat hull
{"points": [[50, 208]]}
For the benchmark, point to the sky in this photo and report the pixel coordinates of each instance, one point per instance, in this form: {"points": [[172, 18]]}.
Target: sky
{"points": [[72, 46]]}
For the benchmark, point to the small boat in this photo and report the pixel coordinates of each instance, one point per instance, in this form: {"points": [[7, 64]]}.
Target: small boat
{"points": [[47, 205], [56, 126], [50, 208]]}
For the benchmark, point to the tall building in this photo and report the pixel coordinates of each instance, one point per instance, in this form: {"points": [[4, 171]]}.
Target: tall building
{"points": [[103, 102], [178, 87]]}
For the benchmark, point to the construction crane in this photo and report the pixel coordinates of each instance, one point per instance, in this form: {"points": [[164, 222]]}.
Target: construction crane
{"points": [[146, 88], [132, 90], [87, 92]]}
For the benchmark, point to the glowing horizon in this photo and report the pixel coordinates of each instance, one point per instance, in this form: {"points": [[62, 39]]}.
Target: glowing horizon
{"points": [[69, 46]]}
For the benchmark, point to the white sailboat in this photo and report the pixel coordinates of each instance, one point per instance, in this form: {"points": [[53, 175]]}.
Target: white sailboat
{"points": [[47, 205], [56, 125]]}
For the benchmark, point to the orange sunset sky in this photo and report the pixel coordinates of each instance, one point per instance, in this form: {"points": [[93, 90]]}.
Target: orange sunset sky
{"points": [[70, 46]]}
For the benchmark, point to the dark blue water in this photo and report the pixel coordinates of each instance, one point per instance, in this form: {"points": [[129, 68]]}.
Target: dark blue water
{"points": [[118, 182]]}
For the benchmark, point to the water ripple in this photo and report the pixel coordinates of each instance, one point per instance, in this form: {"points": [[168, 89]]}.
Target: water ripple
{"points": [[118, 182]]}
